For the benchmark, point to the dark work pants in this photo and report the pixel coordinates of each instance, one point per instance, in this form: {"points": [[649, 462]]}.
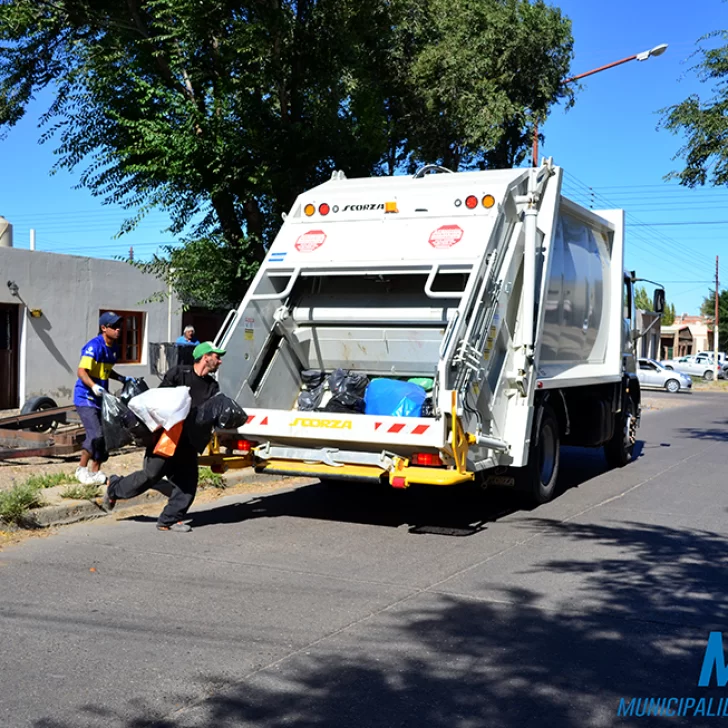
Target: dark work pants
{"points": [[175, 477]]}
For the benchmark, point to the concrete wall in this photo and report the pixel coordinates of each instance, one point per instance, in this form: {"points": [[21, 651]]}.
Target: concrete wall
{"points": [[70, 290]]}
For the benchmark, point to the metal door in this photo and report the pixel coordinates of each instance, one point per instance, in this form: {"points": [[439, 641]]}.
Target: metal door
{"points": [[9, 356]]}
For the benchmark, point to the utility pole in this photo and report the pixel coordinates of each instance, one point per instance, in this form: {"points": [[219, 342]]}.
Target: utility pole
{"points": [[715, 324]]}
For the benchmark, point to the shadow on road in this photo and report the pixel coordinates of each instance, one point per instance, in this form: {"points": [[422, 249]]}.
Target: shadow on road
{"points": [[719, 433], [455, 511], [504, 658]]}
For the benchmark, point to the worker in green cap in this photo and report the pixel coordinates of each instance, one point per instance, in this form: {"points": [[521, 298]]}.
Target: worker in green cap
{"points": [[175, 476]]}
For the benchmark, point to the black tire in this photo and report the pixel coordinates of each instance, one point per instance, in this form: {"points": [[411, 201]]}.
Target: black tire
{"points": [[672, 385], [708, 376], [39, 404], [620, 449], [536, 483]]}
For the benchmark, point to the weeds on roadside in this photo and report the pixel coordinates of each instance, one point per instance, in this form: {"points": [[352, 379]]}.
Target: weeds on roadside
{"points": [[50, 480], [208, 479], [81, 492], [16, 502]]}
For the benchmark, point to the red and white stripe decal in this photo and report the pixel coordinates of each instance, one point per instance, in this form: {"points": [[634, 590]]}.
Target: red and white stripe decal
{"points": [[250, 419], [399, 426]]}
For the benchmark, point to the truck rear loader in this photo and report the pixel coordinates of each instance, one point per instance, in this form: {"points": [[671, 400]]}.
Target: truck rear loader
{"points": [[512, 298]]}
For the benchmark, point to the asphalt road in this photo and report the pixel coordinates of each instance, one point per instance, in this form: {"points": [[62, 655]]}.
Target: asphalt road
{"points": [[320, 607]]}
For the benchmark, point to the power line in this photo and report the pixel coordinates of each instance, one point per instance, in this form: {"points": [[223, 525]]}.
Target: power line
{"points": [[647, 236], [691, 222]]}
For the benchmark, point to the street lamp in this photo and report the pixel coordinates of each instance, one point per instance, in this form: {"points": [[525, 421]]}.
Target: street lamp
{"points": [[643, 56]]}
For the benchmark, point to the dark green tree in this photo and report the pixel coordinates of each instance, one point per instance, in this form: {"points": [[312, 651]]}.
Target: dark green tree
{"points": [[668, 317], [707, 309], [641, 300], [221, 112], [702, 121]]}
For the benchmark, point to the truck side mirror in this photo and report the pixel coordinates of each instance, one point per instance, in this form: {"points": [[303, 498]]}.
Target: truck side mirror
{"points": [[658, 300]]}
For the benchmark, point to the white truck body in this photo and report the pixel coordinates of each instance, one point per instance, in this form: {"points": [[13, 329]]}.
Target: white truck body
{"points": [[518, 300]]}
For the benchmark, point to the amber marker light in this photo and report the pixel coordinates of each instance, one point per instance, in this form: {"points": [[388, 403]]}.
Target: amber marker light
{"points": [[488, 201], [309, 210], [390, 207]]}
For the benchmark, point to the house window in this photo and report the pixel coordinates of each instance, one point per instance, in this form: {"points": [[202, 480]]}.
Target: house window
{"points": [[132, 332]]}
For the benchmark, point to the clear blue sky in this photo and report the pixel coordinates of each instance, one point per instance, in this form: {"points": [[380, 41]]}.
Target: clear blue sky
{"points": [[609, 145]]}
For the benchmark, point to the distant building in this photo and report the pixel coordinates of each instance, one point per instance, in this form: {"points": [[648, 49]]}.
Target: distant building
{"points": [[687, 336], [49, 308]]}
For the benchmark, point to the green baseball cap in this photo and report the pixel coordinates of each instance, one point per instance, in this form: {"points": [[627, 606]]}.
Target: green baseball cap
{"points": [[206, 347]]}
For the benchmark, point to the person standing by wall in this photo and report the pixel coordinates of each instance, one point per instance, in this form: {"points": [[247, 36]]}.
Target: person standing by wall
{"points": [[188, 338], [176, 476], [96, 367]]}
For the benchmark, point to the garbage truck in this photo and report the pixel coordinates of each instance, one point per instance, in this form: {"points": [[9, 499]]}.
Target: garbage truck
{"points": [[508, 300]]}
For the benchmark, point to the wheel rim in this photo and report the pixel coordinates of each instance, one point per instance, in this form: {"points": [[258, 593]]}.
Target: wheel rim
{"points": [[672, 386], [44, 428], [630, 428], [708, 376], [547, 447]]}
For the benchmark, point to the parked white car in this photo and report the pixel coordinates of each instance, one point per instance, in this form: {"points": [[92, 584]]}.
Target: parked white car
{"points": [[695, 366], [721, 356], [652, 375]]}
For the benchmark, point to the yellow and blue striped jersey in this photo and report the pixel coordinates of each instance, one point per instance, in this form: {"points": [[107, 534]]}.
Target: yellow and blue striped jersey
{"points": [[98, 359]]}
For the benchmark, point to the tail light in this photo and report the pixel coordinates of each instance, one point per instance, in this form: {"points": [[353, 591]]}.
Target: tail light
{"points": [[324, 209], [244, 445], [471, 202], [429, 459]]}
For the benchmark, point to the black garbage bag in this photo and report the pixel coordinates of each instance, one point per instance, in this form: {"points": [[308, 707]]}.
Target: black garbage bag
{"points": [[132, 387], [313, 390], [114, 422], [351, 405], [312, 378], [347, 392], [222, 412], [309, 399]]}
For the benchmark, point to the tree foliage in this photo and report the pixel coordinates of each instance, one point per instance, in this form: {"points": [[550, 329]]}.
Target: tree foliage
{"points": [[643, 302], [707, 309], [669, 315], [703, 122], [221, 112]]}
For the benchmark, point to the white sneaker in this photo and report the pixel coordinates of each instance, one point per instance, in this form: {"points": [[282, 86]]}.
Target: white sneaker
{"points": [[82, 475], [97, 478]]}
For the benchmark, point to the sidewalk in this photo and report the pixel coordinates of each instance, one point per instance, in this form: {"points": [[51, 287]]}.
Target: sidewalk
{"points": [[59, 511]]}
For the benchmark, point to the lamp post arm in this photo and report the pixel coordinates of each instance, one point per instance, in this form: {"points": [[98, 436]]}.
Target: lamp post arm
{"points": [[601, 68]]}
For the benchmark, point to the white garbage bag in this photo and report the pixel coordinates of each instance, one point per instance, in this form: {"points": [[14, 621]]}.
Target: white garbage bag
{"points": [[163, 407]]}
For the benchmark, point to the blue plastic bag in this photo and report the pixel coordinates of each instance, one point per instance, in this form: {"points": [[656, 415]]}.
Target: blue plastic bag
{"points": [[393, 398]]}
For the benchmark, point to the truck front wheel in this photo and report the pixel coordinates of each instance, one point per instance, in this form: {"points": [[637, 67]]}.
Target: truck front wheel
{"points": [[620, 448], [537, 481]]}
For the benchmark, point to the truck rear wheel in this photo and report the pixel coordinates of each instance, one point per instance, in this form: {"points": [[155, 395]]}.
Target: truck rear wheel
{"points": [[537, 481], [620, 448]]}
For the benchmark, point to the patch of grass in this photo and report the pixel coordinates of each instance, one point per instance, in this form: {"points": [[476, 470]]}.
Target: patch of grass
{"points": [[50, 480], [81, 492], [208, 479], [16, 502]]}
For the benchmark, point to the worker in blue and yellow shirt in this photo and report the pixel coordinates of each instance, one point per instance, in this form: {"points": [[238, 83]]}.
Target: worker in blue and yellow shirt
{"points": [[96, 367]]}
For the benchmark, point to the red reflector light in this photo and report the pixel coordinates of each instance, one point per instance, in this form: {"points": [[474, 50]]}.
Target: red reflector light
{"points": [[244, 445], [471, 202], [324, 209], [426, 458], [399, 482]]}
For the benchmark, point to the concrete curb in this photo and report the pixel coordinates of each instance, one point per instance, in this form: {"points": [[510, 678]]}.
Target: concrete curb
{"points": [[59, 511]]}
